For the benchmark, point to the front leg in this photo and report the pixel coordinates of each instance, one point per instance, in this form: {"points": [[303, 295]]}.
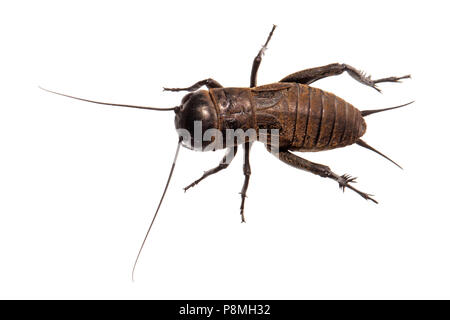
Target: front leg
{"points": [[308, 76], [209, 83], [247, 173], [229, 156], [319, 169]]}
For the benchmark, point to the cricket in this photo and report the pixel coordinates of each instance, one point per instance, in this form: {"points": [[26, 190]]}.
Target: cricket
{"points": [[287, 116]]}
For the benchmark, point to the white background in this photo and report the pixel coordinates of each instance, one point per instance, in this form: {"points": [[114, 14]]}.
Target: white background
{"points": [[79, 182]]}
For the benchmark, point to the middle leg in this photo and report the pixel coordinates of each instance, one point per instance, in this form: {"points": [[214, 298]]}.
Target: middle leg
{"points": [[258, 59], [309, 76]]}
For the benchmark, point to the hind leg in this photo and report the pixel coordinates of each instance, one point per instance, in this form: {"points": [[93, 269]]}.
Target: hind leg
{"points": [[319, 169], [308, 76]]}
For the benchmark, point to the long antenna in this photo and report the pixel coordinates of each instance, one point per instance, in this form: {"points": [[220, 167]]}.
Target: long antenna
{"points": [[157, 209], [111, 104]]}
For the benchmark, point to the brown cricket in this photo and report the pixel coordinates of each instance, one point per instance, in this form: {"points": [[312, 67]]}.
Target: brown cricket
{"points": [[290, 114]]}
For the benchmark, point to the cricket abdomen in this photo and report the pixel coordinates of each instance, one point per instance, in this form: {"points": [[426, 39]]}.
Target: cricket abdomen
{"points": [[325, 121]]}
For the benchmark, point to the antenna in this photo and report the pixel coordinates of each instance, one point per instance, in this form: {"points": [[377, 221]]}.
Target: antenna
{"points": [[112, 104]]}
